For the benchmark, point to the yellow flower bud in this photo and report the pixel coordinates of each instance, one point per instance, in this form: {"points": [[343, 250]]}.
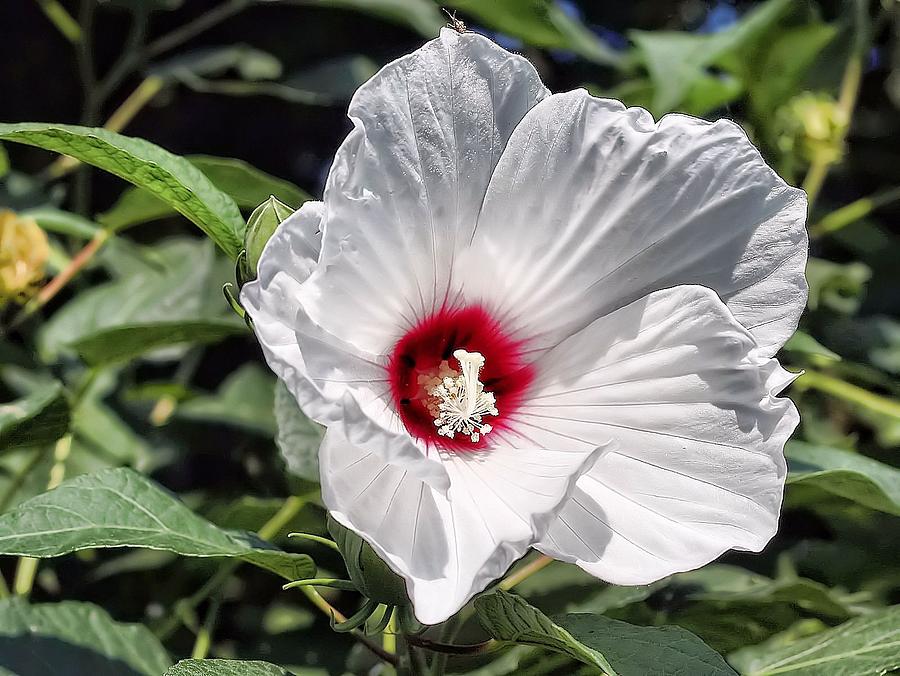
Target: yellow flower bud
{"points": [[23, 255]]}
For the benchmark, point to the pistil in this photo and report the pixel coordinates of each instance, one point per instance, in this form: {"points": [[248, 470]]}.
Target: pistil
{"points": [[462, 401]]}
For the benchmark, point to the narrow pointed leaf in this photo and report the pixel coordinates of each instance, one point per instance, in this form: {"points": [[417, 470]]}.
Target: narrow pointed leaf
{"points": [[169, 177], [122, 508], [245, 184]]}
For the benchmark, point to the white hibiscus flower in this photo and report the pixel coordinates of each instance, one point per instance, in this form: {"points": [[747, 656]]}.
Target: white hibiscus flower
{"points": [[537, 320]]}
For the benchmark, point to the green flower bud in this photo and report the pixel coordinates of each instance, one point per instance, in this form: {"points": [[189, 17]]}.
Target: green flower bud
{"points": [[260, 227], [372, 576], [812, 126]]}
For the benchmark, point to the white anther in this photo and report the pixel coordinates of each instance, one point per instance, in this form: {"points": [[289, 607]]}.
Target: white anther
{"points": [[462, 401]]}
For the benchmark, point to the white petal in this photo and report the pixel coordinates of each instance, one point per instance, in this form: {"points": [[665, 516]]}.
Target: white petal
{"points": [[332, 381], [450, 546], [690, 401], [593, 206], [407, 184], [272, 300]]}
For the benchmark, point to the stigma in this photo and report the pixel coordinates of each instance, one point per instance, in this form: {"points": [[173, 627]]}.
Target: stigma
{"points": [[462, 402]]}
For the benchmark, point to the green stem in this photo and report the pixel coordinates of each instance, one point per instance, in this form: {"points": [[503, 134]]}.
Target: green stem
{"points": [[851, 213], [525, 572], [279, 521], [849, 393], [131, 57], [90, 108], [27, 566], [452, 627], [482, 648], [19, 479], [60, 18], [818, 170], [289, 509], [337, 616], [204, 635], [315, 538], [389, 637], [332, 582], [193, 28]]}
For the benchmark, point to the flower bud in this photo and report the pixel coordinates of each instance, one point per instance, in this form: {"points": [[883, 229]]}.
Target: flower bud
{"points": [[372, 576], [260, 227], [812, 126], [23, 255]]}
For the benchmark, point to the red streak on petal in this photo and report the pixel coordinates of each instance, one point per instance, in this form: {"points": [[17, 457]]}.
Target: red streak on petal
{"points": [[433, 340]]}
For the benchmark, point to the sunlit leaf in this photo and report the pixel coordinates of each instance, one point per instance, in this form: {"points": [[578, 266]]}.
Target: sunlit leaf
{"points": [[803, 343], [121, 508], [169, 177], [245, 184], [865, 645], [677, 60], [541, 23], [836, 286], [420, 15], [844, 473]]}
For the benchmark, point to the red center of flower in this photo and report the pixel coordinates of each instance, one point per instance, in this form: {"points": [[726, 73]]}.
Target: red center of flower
{"points": [[424, 356]]}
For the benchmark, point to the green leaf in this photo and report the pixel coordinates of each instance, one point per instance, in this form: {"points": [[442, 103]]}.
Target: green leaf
{"points": [[121, 508], [420, 15], [225, 668], [125, 342], [776, 70], [849, 475], [610, 645], [172, 179], [298, 438], [250, 63], [676, 61], [803, 343], [40, 418], [372, 576], [245, 184], [98, 430], [175, 301], [74, 638], [541, 23], [248, 512], [865, 645], [836, 286], [743, 658], [62, 222], [334, 79], [245, 399]]}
